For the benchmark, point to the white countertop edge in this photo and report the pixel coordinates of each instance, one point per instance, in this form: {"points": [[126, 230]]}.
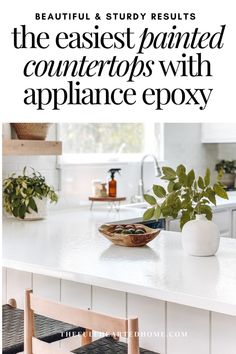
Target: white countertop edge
{"points": [[159, 294]]}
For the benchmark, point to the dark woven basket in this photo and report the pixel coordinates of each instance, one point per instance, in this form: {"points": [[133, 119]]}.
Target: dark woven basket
{"points": [[31, 131]]}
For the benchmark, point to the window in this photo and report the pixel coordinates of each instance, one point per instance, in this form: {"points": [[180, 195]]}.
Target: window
{"points": [[109, 142]]}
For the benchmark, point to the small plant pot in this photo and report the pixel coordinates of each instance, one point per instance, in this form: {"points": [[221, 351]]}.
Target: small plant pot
{"points": [[228, 179], [42, 211], [31, 131], [200, 237]]}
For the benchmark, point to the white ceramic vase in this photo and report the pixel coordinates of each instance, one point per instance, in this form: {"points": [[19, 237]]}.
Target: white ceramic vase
{"points": [[200, 237]]}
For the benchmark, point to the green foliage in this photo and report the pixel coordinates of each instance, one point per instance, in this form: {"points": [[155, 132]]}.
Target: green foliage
{"points": [[186, 195], [20, 192], [225, 166]]}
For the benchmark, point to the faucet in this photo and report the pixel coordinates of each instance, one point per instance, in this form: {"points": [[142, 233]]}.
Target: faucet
{"points": [[156, 169]]}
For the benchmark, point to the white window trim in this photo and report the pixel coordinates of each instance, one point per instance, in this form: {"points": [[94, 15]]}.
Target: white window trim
{"points": [[119, 158]]}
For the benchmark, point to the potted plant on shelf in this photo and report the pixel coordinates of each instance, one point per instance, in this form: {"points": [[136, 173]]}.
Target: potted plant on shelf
{"points": [[25, 196], [228, 171], [190, 198]]}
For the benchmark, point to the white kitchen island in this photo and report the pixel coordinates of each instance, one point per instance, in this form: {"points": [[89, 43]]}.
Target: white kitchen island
{"points": [[185, 305]]}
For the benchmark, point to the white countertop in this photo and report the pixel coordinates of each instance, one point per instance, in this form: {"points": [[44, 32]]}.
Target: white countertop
{"points": [[67, 245]]}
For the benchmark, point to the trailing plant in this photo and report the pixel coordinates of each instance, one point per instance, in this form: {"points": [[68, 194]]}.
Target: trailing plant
{"points": [[226, 166], [185, 195], [20, 193]]}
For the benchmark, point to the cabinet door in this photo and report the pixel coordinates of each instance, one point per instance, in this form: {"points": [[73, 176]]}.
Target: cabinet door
{"points": [[17, 281], [218, 133], [222, 218], [234, 223], [173, 225]]}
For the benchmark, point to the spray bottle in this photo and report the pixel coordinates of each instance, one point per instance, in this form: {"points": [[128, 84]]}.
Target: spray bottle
{"points": [[112, 183]]}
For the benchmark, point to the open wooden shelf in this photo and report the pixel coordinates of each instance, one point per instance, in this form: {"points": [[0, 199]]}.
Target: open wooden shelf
{"points": [[31, 147]]}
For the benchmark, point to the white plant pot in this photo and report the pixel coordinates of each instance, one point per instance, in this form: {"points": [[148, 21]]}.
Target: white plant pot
{"points": [[42, 210], [200, 237]]}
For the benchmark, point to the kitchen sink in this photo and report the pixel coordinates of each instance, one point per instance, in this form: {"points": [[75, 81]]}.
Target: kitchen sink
{"points": [[141, 205], [153, 224]]}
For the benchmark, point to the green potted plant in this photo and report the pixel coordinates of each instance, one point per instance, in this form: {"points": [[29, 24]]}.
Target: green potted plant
{"points": [[25, 196], [190, 199], [228, 170]]}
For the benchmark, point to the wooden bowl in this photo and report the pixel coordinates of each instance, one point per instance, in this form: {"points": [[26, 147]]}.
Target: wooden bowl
{"points": [[128, 240]]}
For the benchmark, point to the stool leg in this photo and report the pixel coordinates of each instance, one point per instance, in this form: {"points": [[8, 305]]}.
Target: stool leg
{"points": [[28, 324], [86, 337], [133, 339]]}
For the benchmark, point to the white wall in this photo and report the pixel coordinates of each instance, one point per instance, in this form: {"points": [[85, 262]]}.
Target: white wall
{"points": [[78, 180], [227, 152], [182, 144]]}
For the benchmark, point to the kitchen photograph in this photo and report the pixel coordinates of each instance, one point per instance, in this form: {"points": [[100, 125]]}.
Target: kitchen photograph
{"points": [[128, 229]]}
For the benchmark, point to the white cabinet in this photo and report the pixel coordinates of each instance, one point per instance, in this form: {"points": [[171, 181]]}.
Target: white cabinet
{"points": [[223, 339], [152, 315], [234, 223], [16, 283], [222, 218], [218, 133], [173, 225], [188, 330]]}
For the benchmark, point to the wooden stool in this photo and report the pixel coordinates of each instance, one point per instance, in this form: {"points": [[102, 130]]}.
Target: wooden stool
{"points": [[46, 329], [85, 318]]}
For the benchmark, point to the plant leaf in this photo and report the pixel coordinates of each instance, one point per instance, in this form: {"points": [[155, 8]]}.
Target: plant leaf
{"points": [[220, 191], [157, 213], [185, 217], [150, 199], [33, 205], [22, 211], [171, 199], [166, 211], [177, 186], [183, 180], [210, 194], [190, 178], [201, 182], [169, 172], [181, 170], [15, 212], [170, 186], [207, 178], [206, 209], [159, 191], [148, 214]]}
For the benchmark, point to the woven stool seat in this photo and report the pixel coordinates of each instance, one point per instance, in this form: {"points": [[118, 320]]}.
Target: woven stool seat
{"points": [[107, 345], [46, 329]]}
